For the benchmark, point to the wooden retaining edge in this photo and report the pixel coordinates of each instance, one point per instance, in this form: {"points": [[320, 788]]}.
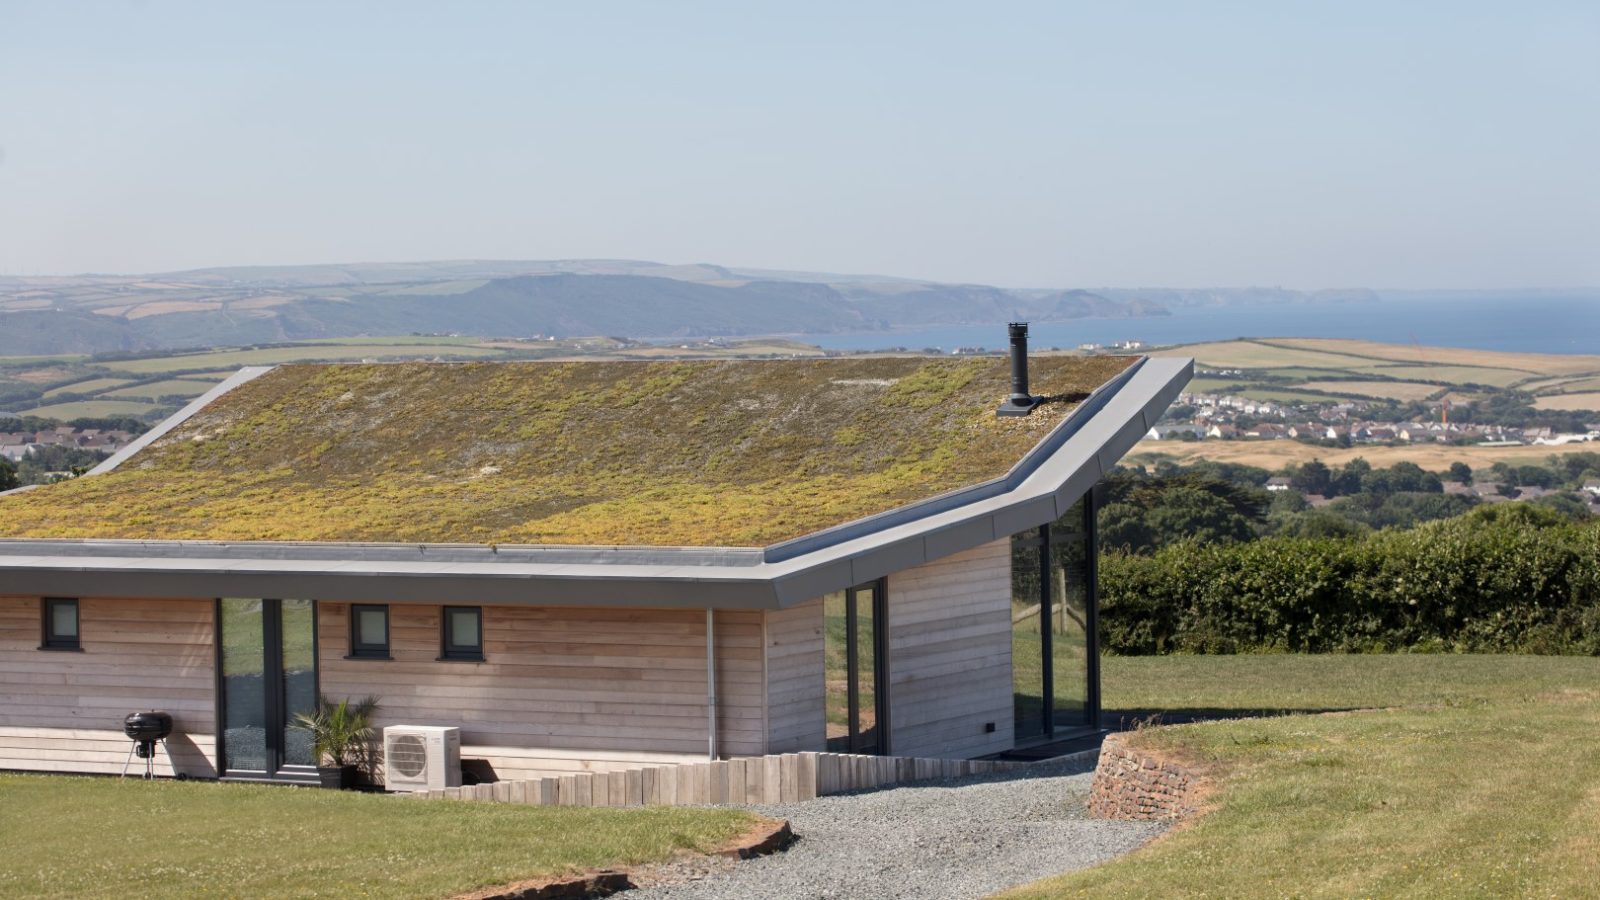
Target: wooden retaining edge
{"points": [[780, 778], [592, 884], [767, 837]]}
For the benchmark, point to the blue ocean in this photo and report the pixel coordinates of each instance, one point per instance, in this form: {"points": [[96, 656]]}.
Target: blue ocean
{"points": [[1522, 323]]}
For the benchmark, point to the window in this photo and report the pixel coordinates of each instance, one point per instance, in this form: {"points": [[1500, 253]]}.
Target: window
{"points": [[369, 631], [463, 633], [60, 624]]}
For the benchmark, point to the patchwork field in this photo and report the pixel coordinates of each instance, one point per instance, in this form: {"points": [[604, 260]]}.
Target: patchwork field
{"points": [[1351, 366]]}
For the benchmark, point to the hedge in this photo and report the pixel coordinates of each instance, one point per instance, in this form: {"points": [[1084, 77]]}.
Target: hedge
{"points": [[1508, 583]]}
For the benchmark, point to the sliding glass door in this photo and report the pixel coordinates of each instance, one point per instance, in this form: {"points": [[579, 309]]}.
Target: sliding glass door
{"points": [[856, 669], [1054, 650], [268, 663]]}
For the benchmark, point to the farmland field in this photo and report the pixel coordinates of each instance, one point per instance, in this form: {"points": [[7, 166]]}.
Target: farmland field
{"points": [[191, 387], [1393, 390], [1277, 454], [92, 409], [90, 386], [306, 353], [1312, 359], [1454, 374], [1544, 363], [1261, 355], [1570, 401]]}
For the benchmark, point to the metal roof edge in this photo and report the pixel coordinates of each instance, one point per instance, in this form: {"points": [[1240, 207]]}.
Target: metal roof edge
{"points": [[1045, 495], [651, 577], [1060, 434], [246, 374]]}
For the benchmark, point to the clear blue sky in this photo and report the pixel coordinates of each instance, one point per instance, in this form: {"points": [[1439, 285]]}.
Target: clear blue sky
{"points": [[1416, 144]]}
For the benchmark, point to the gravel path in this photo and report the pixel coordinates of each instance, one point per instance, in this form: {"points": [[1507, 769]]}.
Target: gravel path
{"points": [[955, 839]]}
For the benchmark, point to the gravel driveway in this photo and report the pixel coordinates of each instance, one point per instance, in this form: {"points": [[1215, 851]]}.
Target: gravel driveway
{"points": [[960, 838]]}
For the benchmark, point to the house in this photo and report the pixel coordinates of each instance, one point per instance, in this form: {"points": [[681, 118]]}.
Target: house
{"points": [[1164, 432], [583, 566], [1459, 489], [1222, 430], [1267, 431], [1591, 486], [1279, 483], [1487, 490]]}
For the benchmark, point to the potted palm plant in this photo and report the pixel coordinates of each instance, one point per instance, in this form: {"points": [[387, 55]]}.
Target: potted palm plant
{"points": [[341, 737]]}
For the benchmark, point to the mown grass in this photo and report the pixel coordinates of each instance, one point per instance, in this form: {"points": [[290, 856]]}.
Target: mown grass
{"points": [[96, 837], [1465, 776]]}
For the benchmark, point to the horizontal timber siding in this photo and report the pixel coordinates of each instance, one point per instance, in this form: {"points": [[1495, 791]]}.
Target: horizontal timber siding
{"points": [[795, 714], [62, 711], [950, 655], [562, 689]]}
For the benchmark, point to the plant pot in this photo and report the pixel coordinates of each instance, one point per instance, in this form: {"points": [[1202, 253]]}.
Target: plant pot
{"points": [[338, 777]]}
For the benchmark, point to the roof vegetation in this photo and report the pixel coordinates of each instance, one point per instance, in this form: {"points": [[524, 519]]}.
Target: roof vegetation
{"points": [[708, 453]]}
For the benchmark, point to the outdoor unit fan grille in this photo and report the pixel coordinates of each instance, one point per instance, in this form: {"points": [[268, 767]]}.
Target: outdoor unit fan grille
{"points": [[408, 755]]}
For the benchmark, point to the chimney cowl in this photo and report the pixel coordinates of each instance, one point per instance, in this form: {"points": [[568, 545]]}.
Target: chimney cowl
{"points": [[1021, 402]]}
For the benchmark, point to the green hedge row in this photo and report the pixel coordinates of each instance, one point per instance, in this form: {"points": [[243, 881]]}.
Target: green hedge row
{"points": [[1476, 583]]}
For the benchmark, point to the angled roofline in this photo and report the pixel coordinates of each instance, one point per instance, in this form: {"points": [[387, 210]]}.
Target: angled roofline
{"points": [[246, 374], [1041, 488]]}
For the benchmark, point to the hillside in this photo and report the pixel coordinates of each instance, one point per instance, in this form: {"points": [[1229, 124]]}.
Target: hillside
{"points": [[489, 298]]}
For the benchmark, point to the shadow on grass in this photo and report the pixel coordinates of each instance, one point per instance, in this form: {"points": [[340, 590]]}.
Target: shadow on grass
{"points": [[1129, 719]]}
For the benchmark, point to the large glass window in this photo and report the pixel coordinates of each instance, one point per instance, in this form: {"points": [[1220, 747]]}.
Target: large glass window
{"points": [[1053, 646], [855, 669], [269, 675]]}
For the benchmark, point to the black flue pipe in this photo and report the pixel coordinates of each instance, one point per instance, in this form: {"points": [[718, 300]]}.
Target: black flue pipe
{"points": [[1019, 364]]}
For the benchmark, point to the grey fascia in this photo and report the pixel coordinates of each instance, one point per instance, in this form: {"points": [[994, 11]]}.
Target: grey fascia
{"points": [[715, 577]]}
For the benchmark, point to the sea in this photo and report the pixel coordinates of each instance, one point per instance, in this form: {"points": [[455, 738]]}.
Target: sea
{"points": [[1510, 322]]}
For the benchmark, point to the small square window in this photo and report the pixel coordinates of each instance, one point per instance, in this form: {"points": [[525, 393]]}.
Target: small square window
{"points": [[60, 624], [369, 631], [463, 632]]}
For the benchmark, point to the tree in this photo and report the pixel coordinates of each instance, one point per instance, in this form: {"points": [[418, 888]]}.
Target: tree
{"points": [[1348, 481], [1190, 512], [8, 475], [1312, 478], [1460, 471]]}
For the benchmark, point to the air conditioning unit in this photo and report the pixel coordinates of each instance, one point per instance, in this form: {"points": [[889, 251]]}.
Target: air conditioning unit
{"points": [[421, 757]]}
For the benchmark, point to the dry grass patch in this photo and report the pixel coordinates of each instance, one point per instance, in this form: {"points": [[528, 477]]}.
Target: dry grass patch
{"points": [[1588, 402], [1277, 454]]}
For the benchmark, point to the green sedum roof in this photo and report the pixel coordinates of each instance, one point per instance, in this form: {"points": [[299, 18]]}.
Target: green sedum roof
{"points": [[713, 453]]}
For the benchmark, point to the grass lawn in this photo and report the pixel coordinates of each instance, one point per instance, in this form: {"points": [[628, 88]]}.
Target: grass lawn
{"points": [[97, 837], [1479, 776]]}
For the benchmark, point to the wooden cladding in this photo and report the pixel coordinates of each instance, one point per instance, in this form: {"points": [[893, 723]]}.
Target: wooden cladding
{"points": [[563, 688], [950, 655], [64, 711]]}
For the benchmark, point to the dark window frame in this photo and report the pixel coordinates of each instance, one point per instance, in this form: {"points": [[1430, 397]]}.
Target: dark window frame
{"points": [[450, 650], [48, 639], [360, 650]]}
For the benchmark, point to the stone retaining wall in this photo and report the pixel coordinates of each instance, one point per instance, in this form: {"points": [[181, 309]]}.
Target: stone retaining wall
{"points": [[1135, 784]]}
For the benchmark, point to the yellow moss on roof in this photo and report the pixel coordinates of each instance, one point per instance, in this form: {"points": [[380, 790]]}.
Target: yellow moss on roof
{"points": [[709, 453]]}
